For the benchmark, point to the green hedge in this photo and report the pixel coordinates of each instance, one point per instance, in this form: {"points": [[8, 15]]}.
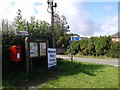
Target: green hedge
{"points": [[115, 50], [8, 41], [95, 46]]}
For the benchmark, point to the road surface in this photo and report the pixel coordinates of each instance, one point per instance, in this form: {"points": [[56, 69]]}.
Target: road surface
{"points": [[92, 60]]}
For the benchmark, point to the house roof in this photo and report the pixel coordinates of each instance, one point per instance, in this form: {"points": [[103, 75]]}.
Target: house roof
{"points": [[116, 35]]}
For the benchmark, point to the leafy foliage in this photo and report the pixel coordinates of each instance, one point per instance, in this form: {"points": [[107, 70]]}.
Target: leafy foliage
{"points": [[91, 46], [115, 50], [102, 45], [61, 29], [96, 46], [19, 22], [73, 48], [37, 29]]}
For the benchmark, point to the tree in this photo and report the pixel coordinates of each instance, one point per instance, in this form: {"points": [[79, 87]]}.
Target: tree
{"points": [[19, 22], [5, 27], [39, 28], [61, 29]]}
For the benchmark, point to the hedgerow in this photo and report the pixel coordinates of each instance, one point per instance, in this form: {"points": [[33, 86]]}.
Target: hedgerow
{"points": [[96, 46]]}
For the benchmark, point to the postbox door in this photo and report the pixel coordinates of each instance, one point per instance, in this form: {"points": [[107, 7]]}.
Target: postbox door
{"points": [[15, 54], [18, 53]]}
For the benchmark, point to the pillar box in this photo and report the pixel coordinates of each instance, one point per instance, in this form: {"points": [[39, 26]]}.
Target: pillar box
{"points": [[15, 53]]}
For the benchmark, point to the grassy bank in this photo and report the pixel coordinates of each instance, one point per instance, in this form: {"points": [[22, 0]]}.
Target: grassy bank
{"points": [[83, 75], [67, 75]]}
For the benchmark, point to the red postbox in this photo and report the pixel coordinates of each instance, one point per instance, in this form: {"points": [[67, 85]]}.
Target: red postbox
{"points": [[15, 54]]}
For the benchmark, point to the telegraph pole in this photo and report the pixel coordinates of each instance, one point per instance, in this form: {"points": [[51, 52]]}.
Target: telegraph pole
{"points": [[52, 26], [51, 5]]}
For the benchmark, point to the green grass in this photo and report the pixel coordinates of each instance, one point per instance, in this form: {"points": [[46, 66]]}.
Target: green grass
{"points": [[66, 74], [83, 75], [97, 57]]}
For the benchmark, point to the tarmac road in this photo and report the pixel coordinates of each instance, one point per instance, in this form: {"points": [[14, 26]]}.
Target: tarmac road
{"points": [[113, 62]]}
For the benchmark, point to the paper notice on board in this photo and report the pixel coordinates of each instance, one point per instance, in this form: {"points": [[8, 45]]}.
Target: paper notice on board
{"points": [[18, 55]]}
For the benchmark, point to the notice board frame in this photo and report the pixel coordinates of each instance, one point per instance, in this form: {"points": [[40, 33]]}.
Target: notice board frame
{"points": [[27, 49]]}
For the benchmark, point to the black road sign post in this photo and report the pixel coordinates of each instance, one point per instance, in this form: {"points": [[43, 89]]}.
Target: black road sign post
{"points": [[74, 38]]}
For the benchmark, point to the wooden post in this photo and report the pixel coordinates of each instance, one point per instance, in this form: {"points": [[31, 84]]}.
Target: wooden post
{"points": [[29, 34], [27, 56], [71, 54], [71, 50]]}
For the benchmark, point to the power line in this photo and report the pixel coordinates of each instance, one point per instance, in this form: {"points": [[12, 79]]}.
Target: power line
{"points": [[7, 8]]}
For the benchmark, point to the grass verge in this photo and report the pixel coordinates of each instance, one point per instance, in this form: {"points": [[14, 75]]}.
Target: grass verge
{"points": [[83, 75], [66, 75], [97, 57]]}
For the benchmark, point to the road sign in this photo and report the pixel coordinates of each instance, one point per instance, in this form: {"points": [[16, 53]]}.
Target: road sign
{"points": [[22, 33], [75, 38]]}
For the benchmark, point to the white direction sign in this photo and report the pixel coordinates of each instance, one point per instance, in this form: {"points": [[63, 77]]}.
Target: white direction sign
{"points": [[22, 33], [52, 57]]}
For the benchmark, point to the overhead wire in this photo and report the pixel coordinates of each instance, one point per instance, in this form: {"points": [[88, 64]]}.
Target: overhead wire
{"points": [[11, 4]]}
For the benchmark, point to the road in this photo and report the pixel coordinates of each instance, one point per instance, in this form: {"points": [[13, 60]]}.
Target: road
{"points": [[92, 60]]}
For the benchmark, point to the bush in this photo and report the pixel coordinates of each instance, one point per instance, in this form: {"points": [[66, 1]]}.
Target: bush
{"points": [[73, 48], [9, 40], [85, 52], [91, 46], [96, 46], [83, 44], [114, 52], [102, 45]]}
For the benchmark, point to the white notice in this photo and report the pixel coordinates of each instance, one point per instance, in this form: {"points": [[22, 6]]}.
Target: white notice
{"points": [[51, 57], [18, 55]]}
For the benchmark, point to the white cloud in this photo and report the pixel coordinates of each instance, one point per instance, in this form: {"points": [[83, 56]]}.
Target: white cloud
{"points": [[107, 8], [27, 7], [110, 26], [78, 17], [80, 20], [3, 7]]}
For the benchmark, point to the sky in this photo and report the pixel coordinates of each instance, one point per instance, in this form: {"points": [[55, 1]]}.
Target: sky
{"points": [[85, 17]]}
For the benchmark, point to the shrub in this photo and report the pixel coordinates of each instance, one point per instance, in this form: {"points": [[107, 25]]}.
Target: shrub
{"points": [[73, 48], [102, 45], [91, 46], [9, 40], [114, 52], [83, 44]]}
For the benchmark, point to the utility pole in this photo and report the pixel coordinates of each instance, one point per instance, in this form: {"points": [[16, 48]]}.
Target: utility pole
{"points": [[28, 29], [51, 6], [52, 26]]}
